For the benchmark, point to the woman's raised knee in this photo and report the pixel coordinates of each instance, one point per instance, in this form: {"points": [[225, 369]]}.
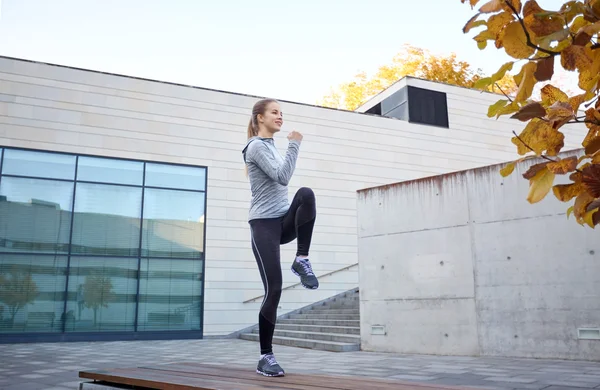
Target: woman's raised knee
{"points": [[306, 193]]}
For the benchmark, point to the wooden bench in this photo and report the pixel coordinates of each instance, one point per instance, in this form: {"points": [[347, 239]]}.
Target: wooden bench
{"points": [[188, 376]]}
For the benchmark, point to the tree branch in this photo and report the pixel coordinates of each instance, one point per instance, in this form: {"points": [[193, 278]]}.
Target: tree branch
{"points": [[500, 88], [542, 156], [576, 120], [529, 41], [530, 148]]}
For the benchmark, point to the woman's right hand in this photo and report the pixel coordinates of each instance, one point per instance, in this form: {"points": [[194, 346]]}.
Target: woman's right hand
{"points": [[294, 135]]}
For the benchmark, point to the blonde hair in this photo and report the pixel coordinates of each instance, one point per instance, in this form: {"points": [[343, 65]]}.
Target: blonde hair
{"points": [[259, 109]]}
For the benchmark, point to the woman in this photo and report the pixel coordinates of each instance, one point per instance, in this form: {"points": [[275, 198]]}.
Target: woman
{"points": [[273, 220]]}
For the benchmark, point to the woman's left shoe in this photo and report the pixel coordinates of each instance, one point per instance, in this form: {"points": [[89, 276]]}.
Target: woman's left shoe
{"points": [[303, 269], [268, 366]]}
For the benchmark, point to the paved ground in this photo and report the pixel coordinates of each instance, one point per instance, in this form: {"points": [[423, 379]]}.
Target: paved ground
{"points": [[55, 366]]}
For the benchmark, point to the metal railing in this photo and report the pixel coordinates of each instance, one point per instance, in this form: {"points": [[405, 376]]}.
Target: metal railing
{"points": [[298, 284]]}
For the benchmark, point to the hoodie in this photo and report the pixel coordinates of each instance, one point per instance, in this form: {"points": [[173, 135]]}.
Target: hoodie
{"points": [[269, 174]]}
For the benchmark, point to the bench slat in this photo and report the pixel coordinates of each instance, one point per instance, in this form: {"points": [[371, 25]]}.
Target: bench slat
{"points": [[187, 376]]}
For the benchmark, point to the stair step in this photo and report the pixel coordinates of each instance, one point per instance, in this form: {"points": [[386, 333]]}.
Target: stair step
{"points": [[354, 330], [326, 316], [331, 346], [301, 321], [317, 336], [331, 311], [338, 305]]}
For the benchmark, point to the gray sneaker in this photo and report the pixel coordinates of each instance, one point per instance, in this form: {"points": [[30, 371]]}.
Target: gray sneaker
{"points": [[303, 269], [268, 366]]}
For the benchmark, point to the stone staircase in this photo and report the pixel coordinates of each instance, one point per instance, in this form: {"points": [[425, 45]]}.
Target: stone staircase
{"points": [[330, 325]]}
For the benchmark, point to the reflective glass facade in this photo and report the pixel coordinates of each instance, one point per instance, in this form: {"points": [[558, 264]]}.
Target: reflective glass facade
{"points": [[99, 248]]}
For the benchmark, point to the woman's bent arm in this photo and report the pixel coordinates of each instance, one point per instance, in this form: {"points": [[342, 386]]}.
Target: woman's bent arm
{"points": [[260, 154]]}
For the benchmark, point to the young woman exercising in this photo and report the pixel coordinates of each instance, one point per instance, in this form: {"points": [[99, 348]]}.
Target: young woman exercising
{"points": [[273, 220]]}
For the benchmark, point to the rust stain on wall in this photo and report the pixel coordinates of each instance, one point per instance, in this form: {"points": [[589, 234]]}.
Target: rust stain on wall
{"points": [[438, 181]]}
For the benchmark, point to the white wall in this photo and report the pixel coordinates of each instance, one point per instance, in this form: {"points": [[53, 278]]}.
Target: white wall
{"points": [[58, 108], [462, 264]]}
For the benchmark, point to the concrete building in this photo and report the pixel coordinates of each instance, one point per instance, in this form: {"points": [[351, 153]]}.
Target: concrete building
{"points": [[156, 215], [471, 268]]}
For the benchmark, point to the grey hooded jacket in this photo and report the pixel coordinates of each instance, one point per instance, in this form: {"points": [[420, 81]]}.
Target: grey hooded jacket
{"points": [[269, 174]]}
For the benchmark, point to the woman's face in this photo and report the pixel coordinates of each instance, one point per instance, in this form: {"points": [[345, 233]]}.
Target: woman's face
{"points": [[272, 119]]}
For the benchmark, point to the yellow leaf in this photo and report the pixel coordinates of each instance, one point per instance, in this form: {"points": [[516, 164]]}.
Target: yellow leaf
{"points": [[578, 23], [491, 6], [486, 81], [534, 170], [591, 116], [494, 108], [550, 95], [515, 3], [575, 57], [473, 3], [569, 211], [589, 77], [576, 101], [540, 136], [497, 23], [472, 23], [588, 218], [581, 203], [590, 29], [508, 169], [593, 146], [566, 192], [590, 177], [515, 42], [563, 166], [539, 22], [559, 36], [560, 111], [509, 109], [526, 81], [540, 185], [530, 111]]}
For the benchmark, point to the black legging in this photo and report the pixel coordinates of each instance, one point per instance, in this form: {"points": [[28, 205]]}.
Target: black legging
{"points": [[267, 237]]}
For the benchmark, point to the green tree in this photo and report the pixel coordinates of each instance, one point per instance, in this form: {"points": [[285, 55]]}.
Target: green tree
{"points": [[17, 290], [569, 36], [411, 61], [97, 292]]}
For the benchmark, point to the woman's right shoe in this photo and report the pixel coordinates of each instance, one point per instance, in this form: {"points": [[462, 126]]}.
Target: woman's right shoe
{"points": [[268, 366]]}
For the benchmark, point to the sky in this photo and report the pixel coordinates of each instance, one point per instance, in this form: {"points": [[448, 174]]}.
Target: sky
{"points": [[288, 50]]}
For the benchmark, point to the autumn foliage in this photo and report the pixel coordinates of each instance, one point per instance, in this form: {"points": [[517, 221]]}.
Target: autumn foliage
{"points": [[538, 37], [410, 61]]}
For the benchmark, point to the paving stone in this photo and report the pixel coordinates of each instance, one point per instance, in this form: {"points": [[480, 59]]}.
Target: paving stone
{"points": [[414, 377], [480, 372], [572, 384]]}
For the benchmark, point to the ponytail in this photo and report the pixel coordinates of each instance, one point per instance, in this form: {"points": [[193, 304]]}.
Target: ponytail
{"points": [[258, 109], [251, 128]]}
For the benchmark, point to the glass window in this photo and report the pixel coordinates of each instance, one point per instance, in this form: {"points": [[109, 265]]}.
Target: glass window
{"points": [[102, 294], [170, 295], [175, 176], [32, 289], [107, 220], [173, 224], [400, 112], [38, 164], [35, 215], [109, 170]]}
